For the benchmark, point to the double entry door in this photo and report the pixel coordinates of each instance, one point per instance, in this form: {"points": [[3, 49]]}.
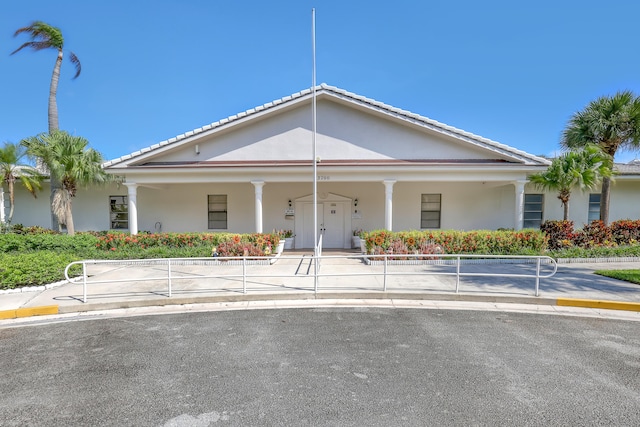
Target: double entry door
{"points": [[331, 224]]}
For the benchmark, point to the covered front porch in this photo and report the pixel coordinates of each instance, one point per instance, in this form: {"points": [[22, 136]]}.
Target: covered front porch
{"points": [[263, 205]]}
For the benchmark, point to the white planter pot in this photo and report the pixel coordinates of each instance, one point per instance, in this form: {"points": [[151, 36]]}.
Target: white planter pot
{"points": [[355, 242], [288, 243]]}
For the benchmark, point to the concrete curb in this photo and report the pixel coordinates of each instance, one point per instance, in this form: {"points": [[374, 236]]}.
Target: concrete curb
{"points": [[163, 302], [345, 296], [29, 312], [160, 302]]}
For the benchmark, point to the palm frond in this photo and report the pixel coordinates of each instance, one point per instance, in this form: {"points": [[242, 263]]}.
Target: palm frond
{"points": [[76, 62]]}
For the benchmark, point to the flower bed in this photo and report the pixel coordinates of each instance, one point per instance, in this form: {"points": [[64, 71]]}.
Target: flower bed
{"points": [[561, 234], [219, 244], [524, 242]]}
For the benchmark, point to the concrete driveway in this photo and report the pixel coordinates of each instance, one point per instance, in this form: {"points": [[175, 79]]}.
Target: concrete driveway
{"points": [[322, 367]]}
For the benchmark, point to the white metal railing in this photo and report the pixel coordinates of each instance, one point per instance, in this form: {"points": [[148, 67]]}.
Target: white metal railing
{"points": [[316, 262], [360, 268], [456, 259], [320, 244]]}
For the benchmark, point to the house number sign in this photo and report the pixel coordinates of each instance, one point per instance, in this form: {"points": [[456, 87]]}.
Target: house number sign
{"points": [[324, 178]]}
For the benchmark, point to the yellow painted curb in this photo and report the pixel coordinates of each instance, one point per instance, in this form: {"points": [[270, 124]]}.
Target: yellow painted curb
{"points": [[589, 303], [29, 311], [7, 314]]}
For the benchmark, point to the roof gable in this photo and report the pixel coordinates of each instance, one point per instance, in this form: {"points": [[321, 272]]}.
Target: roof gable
{"points": [[349, 127]]}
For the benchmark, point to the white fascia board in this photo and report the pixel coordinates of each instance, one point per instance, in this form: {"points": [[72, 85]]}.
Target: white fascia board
{"points": [[331, 174]]}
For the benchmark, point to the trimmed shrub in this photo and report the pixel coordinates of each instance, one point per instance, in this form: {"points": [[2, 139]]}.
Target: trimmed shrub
{"points": [[559, 233], [12, 242], [593, 234], [123, 241], [504, 242], [625, 231], [32, 269]]}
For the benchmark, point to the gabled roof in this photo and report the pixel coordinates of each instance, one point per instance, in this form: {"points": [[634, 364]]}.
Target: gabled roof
{"points": [[631, 168], [325, 90]]}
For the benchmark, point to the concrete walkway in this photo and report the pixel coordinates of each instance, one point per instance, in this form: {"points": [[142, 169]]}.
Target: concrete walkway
{"points": [[343, 277]]}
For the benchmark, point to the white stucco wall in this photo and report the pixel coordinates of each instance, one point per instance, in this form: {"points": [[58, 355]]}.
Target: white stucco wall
{"points": [[625, 200], [90, 207], [343, 133], [624, 203], [182, 208], [30, 211], [465, 206]]}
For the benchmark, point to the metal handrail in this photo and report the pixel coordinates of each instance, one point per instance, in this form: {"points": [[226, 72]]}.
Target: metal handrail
{"points": [[320, 244], [316, 262], [456, 259]]}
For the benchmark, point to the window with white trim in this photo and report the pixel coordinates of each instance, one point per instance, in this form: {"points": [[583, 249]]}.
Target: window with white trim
{"points": [[533, 210], [594, 207], [119, 212], [430, 209], [217, 211]]}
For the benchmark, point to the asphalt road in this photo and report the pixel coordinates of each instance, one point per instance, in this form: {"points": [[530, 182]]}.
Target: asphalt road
{"points": [[322, 367]]}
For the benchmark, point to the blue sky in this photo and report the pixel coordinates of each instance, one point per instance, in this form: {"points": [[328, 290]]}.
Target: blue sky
{"points": [[510, 71]]}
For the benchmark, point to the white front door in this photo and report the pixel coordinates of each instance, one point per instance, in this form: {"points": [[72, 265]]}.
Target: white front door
{"points": [[331, 223], [334, 221], [307, 225]]}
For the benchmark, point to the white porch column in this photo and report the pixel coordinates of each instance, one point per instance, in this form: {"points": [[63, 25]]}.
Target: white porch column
{"points": [[388, 203], [519, 218], [133, 207], [258, 190]]}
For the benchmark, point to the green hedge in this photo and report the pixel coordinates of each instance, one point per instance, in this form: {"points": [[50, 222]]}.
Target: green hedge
{"points": [[37, 258], [34, 268], [524, 242], [11, 242], [226, 244]]}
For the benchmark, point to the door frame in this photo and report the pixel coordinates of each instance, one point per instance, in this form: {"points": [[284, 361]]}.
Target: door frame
{"points": [[323, 198]]}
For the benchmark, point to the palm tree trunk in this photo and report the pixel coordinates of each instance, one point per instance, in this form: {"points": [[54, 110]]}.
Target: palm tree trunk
{"points": [[54, 126], [604, 200], [70, 227], [11, 200], [53, 90], [564, 195]]}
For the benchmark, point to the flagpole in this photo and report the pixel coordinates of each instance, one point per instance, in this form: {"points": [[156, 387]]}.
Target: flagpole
{"points": [[313, 131], [314, 159]]}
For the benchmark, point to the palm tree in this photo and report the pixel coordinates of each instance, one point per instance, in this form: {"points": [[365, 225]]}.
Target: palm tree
{"points": [[612, 123], [12, 170], [72, 163], [45, 36], [583, 169]]}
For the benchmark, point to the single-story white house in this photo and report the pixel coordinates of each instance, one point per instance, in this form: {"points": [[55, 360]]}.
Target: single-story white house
{"points": [[377, 167]]}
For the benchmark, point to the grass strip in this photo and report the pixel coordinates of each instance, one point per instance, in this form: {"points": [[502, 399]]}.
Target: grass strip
{"points": [[632, 276]]}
